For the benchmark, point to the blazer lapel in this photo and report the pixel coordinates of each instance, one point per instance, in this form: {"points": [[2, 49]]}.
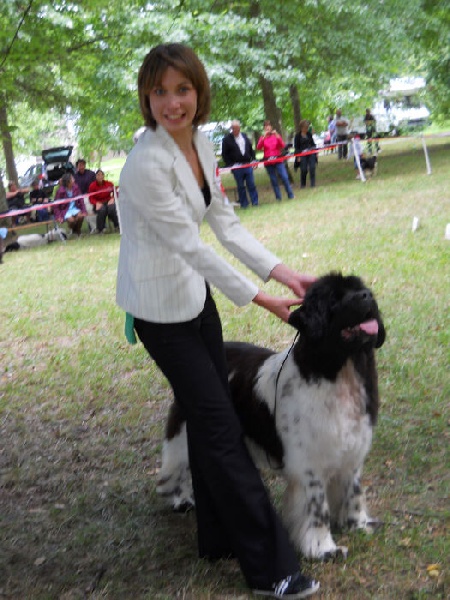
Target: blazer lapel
{"points": [[184, 174], [206, 159]]}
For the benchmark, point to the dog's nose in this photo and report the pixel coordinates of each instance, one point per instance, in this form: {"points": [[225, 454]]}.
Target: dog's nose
{"points": [[364, 295]]}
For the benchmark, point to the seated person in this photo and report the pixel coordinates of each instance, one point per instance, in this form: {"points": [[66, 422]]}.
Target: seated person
{"points": [[102, 199], [71, 212], [37, 196], [15, 198]]}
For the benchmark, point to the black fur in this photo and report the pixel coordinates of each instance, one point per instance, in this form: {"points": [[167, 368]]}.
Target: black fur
{"points": [[331, 305]]}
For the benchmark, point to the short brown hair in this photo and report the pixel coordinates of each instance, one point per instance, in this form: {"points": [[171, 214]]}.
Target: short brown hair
{"points": [[303, 123], [183, 59]]}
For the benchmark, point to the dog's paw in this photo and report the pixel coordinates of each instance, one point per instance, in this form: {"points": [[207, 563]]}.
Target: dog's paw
{"points": [[341, 552], [362, 522], [318, 544], [182, 506], [372, 525]]}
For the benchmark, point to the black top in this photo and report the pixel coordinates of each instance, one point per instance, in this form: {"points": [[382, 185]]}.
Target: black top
{"points": [[302, 143], [17, 201], [206, 193], [38, 197], [231, 152]]}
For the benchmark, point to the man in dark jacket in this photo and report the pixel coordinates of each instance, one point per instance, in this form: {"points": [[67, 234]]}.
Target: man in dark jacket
{"points": [[237, 151]]}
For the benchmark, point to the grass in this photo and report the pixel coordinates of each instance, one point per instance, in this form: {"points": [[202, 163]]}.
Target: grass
{"points": [[82, 412]]}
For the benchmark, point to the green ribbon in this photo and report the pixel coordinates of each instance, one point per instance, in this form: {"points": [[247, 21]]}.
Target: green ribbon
{"points": [[129, 329]]}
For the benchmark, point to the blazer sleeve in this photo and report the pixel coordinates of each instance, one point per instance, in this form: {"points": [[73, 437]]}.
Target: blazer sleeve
{"points": [[237, 239]]}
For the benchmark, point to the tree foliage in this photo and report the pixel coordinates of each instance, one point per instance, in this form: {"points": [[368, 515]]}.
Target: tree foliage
{"points": [[78, 59]]}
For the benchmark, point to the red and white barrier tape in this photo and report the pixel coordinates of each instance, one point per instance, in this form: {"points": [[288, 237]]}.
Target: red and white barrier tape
{"points": [[24, 211]]}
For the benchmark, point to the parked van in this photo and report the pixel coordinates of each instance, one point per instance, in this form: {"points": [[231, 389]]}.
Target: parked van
{"points": [[397, 109]]}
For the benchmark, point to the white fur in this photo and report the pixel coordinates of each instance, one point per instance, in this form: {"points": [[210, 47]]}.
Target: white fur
{"points": [[33, 240]]}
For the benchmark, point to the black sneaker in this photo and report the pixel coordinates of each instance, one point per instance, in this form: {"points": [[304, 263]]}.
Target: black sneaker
{"points": [[291, 587]]}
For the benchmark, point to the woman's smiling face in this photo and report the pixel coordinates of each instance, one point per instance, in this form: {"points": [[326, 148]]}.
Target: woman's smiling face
{"points": [[173, 103]]}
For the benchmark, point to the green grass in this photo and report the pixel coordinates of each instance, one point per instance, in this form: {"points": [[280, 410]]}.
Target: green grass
{"points": [[82, 412]]}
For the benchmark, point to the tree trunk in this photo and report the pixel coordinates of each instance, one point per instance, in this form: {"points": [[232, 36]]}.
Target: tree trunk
{"points": [[11, 170], [295, 101], [3, 202], [271, 110]]}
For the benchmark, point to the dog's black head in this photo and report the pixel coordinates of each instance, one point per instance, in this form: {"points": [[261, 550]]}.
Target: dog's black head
{"points": [[338, 318]]}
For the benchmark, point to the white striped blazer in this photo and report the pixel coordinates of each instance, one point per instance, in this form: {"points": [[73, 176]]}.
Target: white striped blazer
{"points": [[163, 263]]}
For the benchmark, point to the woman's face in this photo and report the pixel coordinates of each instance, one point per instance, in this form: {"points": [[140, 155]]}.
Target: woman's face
{"points": [[174, 103], [100, 176]]}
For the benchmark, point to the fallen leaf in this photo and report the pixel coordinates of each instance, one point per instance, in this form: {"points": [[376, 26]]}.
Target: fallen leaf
{"points": [[433, 570], [433, 573]]}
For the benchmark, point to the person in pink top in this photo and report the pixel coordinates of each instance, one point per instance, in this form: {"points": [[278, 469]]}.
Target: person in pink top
{"points": [[272, 144]]}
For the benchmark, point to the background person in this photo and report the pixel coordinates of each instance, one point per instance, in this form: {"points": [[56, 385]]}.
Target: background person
{"points": [[341, 134], [168, 186], [38, 196], [371, 130], [15, 198], [83, 177], [303, 142], [74, 211], [237, 150], [103, 201], [272, 144]]}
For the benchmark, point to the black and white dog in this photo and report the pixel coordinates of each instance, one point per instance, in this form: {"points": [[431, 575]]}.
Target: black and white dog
{"points": [[33, 240], [308, 412], [369, 164]]}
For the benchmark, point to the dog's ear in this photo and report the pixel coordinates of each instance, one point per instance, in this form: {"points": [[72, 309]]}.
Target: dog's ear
{"points": [[309, 320], [296, 318]]}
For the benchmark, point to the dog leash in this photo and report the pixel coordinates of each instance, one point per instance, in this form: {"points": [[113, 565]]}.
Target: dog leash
{"points": [[276, 387]]}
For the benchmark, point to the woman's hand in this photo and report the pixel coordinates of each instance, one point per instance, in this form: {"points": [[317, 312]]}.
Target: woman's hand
{"points": [[297, 282], [276, 305]]}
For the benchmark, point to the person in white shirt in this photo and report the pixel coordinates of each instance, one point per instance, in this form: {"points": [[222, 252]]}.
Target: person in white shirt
{"points": [[341, 134], [237, 151]]}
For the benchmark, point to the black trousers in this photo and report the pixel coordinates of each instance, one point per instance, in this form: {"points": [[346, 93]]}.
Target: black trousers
{"points": [[106, 210], [233, 509], [342, 148], [308, 163]]}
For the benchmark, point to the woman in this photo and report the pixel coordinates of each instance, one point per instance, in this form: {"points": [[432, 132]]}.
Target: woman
{"points": [[304, 142], [272, 144], [73, 211], [167, 187]]}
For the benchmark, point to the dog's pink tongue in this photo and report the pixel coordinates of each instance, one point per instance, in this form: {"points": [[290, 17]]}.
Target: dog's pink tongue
{"points": [[370, 327]]}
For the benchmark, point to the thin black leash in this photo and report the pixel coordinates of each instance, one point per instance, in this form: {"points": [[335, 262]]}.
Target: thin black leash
{"points": [[276, 387]]}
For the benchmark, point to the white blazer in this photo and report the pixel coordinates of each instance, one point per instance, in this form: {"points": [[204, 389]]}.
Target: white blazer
{"points": [[163, 263]]}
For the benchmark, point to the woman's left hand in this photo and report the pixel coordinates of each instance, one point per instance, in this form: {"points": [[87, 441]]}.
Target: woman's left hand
{"points": [[297, 282]]}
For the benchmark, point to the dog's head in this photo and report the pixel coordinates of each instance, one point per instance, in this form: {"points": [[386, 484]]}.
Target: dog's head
{"points": [[56, 235], [339, 312]]}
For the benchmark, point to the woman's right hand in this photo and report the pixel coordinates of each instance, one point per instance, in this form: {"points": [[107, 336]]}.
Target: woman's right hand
{"points": [[275, 304]]}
